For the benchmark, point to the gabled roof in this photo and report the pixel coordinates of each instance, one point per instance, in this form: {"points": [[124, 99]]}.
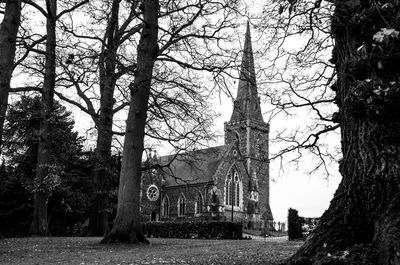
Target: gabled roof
{"points": [[193, 167]]}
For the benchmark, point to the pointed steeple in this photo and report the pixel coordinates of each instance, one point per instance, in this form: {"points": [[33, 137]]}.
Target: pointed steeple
{"points": [[247, 105]]}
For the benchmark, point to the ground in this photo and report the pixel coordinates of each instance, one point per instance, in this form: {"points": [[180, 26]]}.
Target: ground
{"points": [[79, 250]]}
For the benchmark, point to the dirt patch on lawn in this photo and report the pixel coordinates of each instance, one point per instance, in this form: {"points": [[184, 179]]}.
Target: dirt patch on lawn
{"points": [[80, 250]]}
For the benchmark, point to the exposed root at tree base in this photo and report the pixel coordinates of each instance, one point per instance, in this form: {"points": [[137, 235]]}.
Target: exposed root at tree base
{"points": [[134, 236], [358, 254], [336, 245]]}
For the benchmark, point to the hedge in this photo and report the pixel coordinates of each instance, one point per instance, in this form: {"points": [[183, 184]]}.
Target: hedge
{"points": [[200, 230], [295, 225]]}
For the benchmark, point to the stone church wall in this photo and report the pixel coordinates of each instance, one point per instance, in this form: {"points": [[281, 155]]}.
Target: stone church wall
{"points": [[221, 178], [190, 192], [147, 206], [263, 188]]}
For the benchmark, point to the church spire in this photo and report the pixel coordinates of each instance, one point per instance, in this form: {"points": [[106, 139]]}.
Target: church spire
{"points": [[247, 105]]}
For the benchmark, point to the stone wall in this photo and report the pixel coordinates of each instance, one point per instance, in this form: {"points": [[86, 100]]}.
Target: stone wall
{"points": [[190, 192]]}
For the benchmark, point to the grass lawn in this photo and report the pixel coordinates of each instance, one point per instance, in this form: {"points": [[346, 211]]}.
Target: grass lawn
{"points": [[83, 250]]}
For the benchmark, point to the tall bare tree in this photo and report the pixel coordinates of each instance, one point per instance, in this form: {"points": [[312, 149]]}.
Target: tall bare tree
{"points": [[39, 225], [93, 57], [108, 76], [108, 63], [8, 41], [127, 222]]}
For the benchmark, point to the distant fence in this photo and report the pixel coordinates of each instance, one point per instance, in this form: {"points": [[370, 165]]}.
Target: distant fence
{"points": [[273, 230]]}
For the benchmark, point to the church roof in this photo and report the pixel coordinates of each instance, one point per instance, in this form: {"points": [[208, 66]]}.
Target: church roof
{"points": [[247, 104], [193, 167]]}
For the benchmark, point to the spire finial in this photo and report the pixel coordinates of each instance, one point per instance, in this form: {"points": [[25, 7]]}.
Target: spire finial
{"points": [[247, 40]]}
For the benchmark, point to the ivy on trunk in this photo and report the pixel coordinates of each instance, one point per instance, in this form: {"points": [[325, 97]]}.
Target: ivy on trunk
{"points": [[39, 225]]}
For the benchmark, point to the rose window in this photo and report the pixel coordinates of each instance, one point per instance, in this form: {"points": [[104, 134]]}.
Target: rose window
{"points": [[153, 193]]}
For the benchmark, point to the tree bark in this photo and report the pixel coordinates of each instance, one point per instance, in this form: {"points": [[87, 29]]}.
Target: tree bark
{"points": [[98, 224], [362, 224], [127, 226], [8, 35], [39, 225]]}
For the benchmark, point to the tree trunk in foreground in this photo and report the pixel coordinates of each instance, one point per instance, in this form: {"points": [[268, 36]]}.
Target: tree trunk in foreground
{"points": [[39, 225], [8, 35], [362, 224], [127, 227]]}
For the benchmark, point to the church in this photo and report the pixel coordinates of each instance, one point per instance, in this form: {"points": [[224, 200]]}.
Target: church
{"points": [[223, 183]]}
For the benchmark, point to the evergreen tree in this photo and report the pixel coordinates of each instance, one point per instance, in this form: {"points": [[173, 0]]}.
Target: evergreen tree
{"points": [[68, 182], [22, 135]]}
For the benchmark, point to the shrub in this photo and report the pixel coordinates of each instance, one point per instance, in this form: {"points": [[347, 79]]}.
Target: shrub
{"points": [[295, 225], [200, 230]]}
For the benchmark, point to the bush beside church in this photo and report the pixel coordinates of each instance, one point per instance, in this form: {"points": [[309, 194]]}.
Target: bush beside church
{"points": [[198, 230]]}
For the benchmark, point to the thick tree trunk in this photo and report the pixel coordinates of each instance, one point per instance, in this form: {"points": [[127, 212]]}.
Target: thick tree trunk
{"points": [[39, 225], [127, 226], [8, 35], [362, 224], [98, 225]]}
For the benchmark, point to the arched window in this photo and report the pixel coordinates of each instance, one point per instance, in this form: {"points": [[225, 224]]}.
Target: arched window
{"points": [[233, 188], [237, 191], [165, 207], [181, 205], [237, 139], [228, 191], [198, 206]]}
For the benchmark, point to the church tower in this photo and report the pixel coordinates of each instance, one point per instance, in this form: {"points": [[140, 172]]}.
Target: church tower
{"points": [[248, 130]]}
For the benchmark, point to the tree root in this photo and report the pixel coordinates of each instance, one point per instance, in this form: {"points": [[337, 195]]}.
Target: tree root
{"points": [[131, 235]]}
